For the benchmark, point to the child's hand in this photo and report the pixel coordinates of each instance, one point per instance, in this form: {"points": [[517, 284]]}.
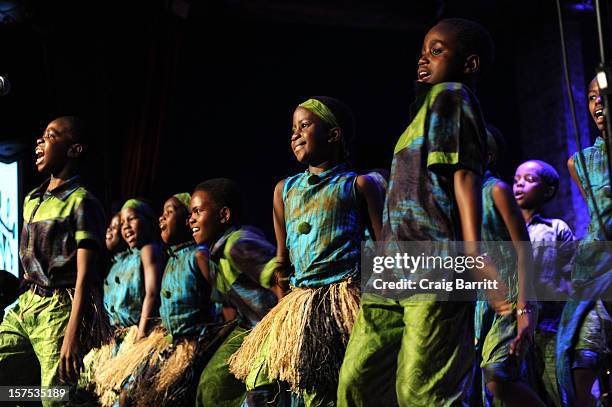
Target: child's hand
{"points": [[526, 323], [71, 361]]}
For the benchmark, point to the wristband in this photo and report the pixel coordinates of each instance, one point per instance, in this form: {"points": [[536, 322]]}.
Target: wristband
{"points": [[526, 310]]}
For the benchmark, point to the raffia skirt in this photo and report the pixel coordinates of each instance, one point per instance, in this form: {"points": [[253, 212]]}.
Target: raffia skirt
{"points": [[302, 340], [158, 370]]}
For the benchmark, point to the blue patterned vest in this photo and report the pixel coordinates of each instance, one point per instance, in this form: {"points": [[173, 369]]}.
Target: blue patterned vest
{"points": [[324, 229]]}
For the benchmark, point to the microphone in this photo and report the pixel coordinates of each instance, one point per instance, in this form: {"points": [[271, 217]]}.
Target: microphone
{"points": [[5, 86]]}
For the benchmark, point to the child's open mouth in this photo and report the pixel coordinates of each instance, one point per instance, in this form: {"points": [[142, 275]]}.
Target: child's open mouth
{"points": [[599, 116], [40, 155], [423, 75], [195, 230]]}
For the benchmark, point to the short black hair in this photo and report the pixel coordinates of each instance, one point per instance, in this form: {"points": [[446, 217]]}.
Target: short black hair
{"points": [[344, 116], [473, 38], [78, 128], [224, 192], [549, 175]]}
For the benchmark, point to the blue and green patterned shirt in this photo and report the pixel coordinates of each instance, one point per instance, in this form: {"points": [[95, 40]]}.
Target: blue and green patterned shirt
{"points": [[446, 134], [494, 230], [324, 229], [185, 293], [55, 224], [124, 289]]}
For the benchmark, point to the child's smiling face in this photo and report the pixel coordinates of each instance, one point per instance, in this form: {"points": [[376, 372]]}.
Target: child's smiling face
{"points": [[596, 107], [440, 60], [309, 137], [205, 221], [133, 228], [114, 240]]}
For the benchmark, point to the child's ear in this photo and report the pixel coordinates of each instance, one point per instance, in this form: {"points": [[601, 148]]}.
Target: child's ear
{"points": [[335, 134], [225, 214], [550, 191], [472, 64], [76, 150]]}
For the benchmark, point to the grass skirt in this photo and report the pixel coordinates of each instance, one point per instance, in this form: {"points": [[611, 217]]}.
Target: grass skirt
{"points": [[304, 338], [158, 370]]}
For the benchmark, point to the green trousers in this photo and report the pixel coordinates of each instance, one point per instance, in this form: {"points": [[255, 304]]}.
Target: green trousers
{"points": [[414, 352], [258, 379], [34, 328], [218, 387]]}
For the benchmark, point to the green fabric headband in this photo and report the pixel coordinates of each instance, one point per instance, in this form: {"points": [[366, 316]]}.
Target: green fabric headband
{"points": [[184, 198], [140, 206], [321, 110]]}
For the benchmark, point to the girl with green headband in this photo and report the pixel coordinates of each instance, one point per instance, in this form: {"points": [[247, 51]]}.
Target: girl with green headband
{"points": [[320, 217], [131, 291], [163, 368]]}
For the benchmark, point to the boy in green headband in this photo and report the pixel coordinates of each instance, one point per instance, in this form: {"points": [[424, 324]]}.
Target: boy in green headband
{"points": [[63, 233], [418, 351], [320, 219]]}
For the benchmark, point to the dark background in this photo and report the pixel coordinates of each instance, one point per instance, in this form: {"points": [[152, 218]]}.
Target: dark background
{"points": [[177, 92]]}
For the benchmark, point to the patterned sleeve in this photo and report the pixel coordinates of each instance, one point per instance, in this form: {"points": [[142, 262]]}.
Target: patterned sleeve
{"points": [[567, 250], [455, 133], [90, 222], [251, 254]]}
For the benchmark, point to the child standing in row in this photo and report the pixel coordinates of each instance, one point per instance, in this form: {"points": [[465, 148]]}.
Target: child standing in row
{"points": [[237, 269], [163, 369], [131, 289], [420, 352], [536, 183], [586, 326], [320, 217], [131, 294], [502, 338], [57, 318]]}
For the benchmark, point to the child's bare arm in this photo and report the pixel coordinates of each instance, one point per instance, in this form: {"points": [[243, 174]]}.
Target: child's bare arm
{"points": [[469, 201], [71, 360], [572, 170], [202, 262], [282, 254], [152, 264], [374, 201], [513, 219], [468, 194]]}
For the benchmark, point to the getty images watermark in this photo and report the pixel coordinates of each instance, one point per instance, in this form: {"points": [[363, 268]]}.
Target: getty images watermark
{"points": [[452, 271]]}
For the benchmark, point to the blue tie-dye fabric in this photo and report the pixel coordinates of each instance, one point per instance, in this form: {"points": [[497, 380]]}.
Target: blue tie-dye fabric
{"points": [[124, 289], [184, 303], [591, 273], [327, 250], [446, 134]]}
